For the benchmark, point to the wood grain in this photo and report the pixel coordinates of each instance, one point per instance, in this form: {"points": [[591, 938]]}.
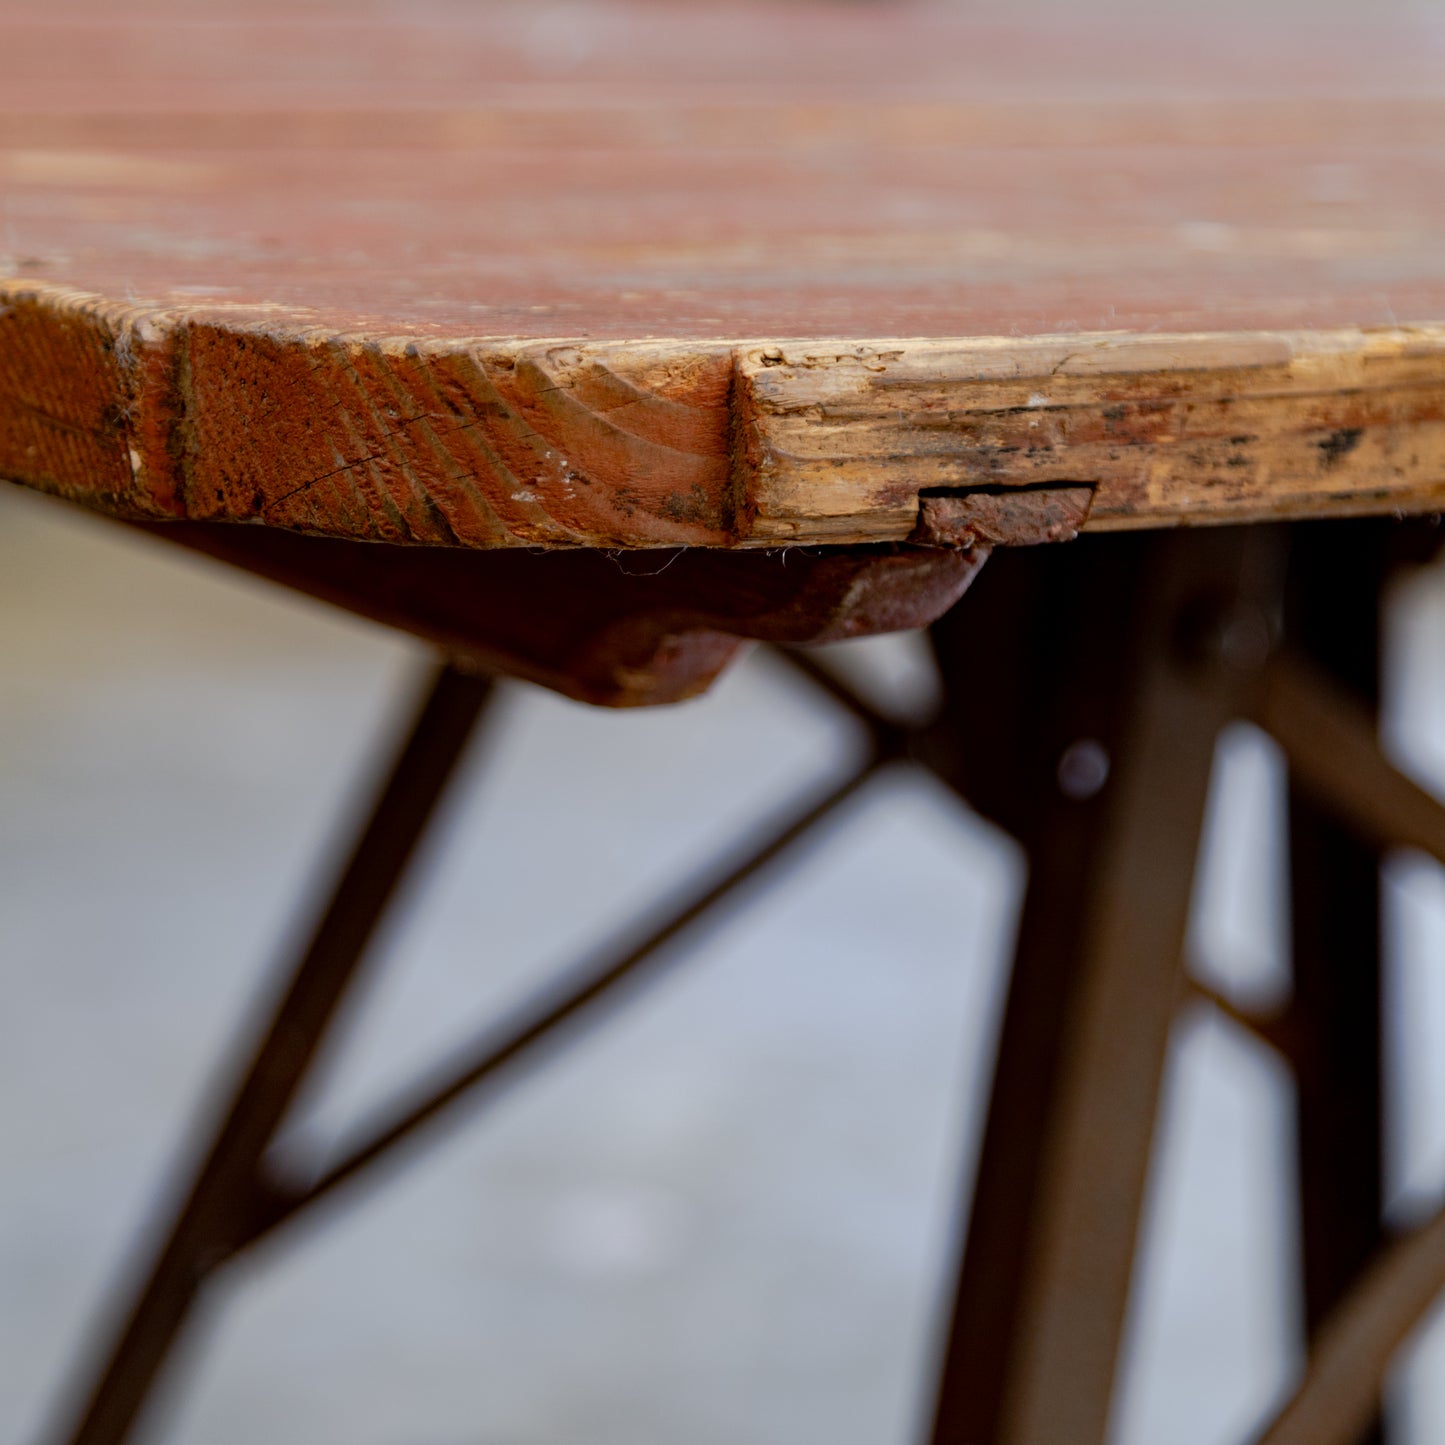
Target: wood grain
{"points": [[627, 274], [486, 443], [1166, 429], [148, 413]]}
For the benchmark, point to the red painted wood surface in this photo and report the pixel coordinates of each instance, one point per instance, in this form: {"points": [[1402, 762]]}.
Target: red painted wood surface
{"points": [[586, 168], [500, 274], [606, 273]]}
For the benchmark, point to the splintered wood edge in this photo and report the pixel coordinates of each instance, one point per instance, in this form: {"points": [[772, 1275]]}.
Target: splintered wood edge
{"points": [[243, 415]]}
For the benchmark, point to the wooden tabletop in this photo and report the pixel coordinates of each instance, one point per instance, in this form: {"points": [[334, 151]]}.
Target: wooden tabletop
{"points": [[642, 275]]}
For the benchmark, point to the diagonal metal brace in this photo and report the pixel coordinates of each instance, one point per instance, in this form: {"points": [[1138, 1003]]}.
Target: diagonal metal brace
{"points": [[225, 1194], [1334, 754]]}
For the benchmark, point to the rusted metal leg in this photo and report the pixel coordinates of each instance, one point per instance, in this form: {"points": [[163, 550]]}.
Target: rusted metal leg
{"points": [[559, 1010], [227, 1191], [242, 1194], [1086, 687], [1332, 619]]}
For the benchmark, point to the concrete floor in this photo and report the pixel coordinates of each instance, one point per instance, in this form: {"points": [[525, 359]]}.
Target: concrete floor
{"points": [[724, 1218]]}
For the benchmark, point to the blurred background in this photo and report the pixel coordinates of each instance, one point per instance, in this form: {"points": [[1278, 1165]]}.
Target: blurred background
{"points": [[729, 1215]]}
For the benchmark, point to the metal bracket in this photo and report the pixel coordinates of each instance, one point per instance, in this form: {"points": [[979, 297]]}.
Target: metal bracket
{"points": [[1002, 516]]}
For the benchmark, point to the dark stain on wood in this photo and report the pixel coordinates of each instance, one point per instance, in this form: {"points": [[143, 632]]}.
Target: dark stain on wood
{"points": [[1339, 444]]}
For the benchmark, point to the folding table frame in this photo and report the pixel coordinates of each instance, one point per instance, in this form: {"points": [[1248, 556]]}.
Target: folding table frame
{"points": [[1085, 687]]}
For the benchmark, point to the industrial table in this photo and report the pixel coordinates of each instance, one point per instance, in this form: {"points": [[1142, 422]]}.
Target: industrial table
{"points": [[592, 343]]}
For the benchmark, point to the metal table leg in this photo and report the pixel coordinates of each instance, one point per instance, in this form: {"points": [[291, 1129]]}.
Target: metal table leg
{"points": [[1083, 716], [229, 1187], [1085, 689], [1335, 579]]}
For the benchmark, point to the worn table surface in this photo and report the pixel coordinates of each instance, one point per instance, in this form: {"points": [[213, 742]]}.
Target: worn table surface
{"points": [[633, 275]]}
